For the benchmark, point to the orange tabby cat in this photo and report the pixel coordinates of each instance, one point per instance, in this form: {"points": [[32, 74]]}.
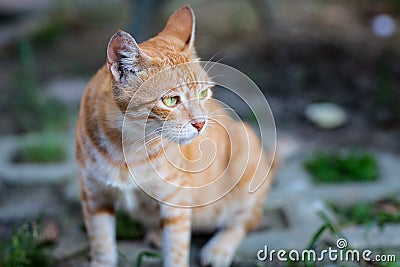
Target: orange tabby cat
{"points": [[170, 182]]}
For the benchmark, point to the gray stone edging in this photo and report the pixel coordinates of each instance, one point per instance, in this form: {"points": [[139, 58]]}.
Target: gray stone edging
{"points": [[28, 173], [293, 183]]}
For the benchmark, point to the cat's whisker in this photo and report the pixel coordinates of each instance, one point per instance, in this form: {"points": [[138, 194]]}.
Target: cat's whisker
{"points": [[211, 123], [218, 75], [151, 140], [218, 111], [210, 60], [215, 63], [156, 131], [163, 137], [150, 135], [148, 142], [160, 144]]}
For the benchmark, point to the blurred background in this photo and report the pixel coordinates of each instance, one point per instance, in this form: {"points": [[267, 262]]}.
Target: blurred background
{"points": [[329, 69]]}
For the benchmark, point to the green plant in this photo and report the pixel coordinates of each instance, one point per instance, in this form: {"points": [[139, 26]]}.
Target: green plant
{"points": [[143, 254], [47, 150], [354, 166], [24, 249], [327, 225], [379, 212], [333, 229], [127, 228], [139, 259], [389, 264]]}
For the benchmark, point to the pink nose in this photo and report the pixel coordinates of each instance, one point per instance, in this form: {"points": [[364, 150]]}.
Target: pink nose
{"points": [[198, 124]]}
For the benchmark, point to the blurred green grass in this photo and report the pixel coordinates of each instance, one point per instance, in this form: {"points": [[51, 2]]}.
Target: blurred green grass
{"points": [[48, 149], [333, 167], [379, 212], [24, 248]]}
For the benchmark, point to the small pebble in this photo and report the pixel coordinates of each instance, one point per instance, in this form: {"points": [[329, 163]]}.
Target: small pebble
{"points": [[383, 25], [50, 231], [326, 115]]}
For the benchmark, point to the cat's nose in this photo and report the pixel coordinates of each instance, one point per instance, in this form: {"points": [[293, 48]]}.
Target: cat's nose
{"points": [[198, 124]]}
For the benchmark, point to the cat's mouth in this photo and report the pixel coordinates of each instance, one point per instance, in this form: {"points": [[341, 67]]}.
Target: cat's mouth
{"points": [[185, 138], [185, 134]]}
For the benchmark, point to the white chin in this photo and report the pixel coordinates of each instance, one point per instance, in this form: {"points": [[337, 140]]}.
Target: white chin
{"points": [[184, 141]]}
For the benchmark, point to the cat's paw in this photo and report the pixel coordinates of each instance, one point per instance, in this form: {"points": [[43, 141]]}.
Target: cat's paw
{"points": [[216, 255]]}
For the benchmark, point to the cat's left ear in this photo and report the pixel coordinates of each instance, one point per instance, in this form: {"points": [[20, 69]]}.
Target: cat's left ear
{"points": [[181, 25], [124, 57]]}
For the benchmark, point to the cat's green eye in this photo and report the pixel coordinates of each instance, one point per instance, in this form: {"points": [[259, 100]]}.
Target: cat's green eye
{"points": [[203, 93], [170, 101]]}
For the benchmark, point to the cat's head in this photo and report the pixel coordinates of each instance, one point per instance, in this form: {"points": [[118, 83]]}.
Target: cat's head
{"points": [[161, 80]]}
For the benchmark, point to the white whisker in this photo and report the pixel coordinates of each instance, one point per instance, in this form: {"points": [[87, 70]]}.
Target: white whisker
{"points": [[214, 63]]}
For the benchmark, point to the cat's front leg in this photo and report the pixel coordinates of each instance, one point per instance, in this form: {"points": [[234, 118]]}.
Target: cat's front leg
{"points": [[176, 229], [99, 219]]}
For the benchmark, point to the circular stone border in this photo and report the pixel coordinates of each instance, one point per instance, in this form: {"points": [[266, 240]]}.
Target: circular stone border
{"points": [[31, 173]]}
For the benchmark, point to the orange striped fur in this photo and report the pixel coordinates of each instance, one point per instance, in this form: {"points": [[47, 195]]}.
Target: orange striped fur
{"points": [[106, 172]]}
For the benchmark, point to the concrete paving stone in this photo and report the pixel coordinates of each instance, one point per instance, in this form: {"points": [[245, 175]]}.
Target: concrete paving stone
{"points": [[30, 202], [129, 251], [305, 213], [71, 189], [29, 173], [374, 237], [292, 238], [293, 182], [346, 195], [73, 241], [290, 182], [274, 219], [67, 90], [70, 246], [389, 167]]}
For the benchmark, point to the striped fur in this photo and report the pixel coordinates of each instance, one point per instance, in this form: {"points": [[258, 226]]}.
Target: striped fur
{"points": [[106, 172]]}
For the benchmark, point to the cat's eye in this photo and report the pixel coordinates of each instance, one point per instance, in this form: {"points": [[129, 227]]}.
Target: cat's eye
{"points": [[170, 101], [203, 93]]}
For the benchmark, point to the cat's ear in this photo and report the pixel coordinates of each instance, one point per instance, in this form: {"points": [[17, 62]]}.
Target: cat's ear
{"points": [[181, 25], [124, 57]]}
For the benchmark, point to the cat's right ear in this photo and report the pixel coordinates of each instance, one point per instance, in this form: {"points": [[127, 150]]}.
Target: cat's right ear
{"points": [[124, 57]]}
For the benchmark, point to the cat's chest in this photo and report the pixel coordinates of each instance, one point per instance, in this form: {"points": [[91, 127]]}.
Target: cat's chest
{"points": [[153, 169], [140, 206]]}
